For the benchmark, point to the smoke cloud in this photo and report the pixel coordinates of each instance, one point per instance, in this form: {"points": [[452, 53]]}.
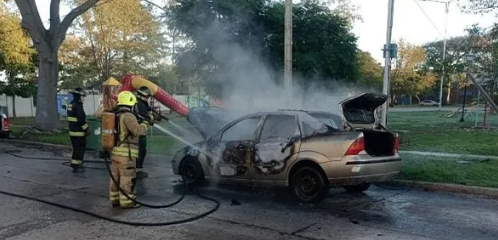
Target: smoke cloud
{"points": [[253, 85]]}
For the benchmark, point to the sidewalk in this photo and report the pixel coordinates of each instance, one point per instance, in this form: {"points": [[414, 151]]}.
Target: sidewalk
{"points": [[449, 155]]}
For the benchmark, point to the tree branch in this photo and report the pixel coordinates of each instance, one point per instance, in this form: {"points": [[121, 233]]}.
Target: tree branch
{"points": [[54, 16], [60, 33], [31, 20]]}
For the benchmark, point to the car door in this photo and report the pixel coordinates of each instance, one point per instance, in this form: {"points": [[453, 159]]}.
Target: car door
{"points": [[278, 141], [235, 150]]}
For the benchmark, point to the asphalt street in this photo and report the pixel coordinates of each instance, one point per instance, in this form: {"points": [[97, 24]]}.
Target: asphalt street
{"points": [[380, 213]]}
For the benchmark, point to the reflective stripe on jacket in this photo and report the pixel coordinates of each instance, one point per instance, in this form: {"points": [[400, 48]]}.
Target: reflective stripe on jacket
{"points": [[76, 118], [129, 132]]}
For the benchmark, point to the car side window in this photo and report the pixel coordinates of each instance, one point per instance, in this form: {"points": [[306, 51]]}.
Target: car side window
{"points": [[243, 130], [279, 126]]}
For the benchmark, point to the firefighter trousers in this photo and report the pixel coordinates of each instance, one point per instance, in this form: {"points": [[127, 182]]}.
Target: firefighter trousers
{"points": [[142, 151], [79, 147], [124, 172]]}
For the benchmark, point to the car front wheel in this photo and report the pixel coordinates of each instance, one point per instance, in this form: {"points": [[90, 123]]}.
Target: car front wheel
{"points": [[191, 171], [308, 185], [357, 188]]}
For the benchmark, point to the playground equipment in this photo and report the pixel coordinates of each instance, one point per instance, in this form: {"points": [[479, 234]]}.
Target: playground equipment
{"points": [[132, 82]]}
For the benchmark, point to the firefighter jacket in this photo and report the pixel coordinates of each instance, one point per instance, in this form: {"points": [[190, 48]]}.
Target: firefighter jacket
{"points": [[144, 110], [129, 132], [78, 126]]}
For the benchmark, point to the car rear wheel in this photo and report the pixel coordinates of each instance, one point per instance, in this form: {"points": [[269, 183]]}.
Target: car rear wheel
{"points": [[358, 188], [308, 185], [191, 171]]}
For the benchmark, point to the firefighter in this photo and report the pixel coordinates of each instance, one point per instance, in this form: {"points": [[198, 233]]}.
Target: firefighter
{"points": [[145, 110], [78, 128], [125, 153]]}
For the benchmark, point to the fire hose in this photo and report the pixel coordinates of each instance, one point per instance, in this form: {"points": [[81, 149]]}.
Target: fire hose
{"points": [[187, 187]]}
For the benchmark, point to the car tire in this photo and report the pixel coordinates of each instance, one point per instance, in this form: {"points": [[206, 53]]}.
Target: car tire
{"points": [[308, 185], [358, 188], [4, 134], [191, 171]]}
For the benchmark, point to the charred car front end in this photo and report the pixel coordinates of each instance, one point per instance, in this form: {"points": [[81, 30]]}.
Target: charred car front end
{"points": [[308, 151]]}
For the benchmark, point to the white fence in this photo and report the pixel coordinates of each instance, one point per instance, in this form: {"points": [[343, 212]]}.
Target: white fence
{"points": [[26, 108]]}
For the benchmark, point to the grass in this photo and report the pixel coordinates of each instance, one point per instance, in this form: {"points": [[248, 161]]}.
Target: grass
{"points": [[428, 131], [448, 170], [157, 141]]}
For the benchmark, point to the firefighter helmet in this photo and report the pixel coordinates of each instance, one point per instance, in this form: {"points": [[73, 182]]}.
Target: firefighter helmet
{"points": [[78, 91], [126, 98], [144, 92]]}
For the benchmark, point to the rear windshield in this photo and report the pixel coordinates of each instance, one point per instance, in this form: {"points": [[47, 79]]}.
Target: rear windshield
{"points": [[331, 120]]}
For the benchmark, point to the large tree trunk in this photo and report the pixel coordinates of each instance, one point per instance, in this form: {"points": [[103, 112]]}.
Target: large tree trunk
{"points": [[448, 96], [47, 116], [47, 43], [418, 98], [14, 115]]}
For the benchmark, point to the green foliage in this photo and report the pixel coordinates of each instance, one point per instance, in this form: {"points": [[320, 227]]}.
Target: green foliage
{"points": [[234, 39], [371, 72], [478, 6], [120, 36], [409, 75], [16, 56]]}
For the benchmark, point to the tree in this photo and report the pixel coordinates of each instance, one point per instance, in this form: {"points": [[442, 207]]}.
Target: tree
{"points": [[479, 6], [77, 66], [408, 75], [122, 36], [47, 43], [371, 72], [16, 58], [241, 42]]}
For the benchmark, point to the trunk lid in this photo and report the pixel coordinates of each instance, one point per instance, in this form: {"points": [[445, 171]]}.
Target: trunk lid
{"points": [[360, 111]]}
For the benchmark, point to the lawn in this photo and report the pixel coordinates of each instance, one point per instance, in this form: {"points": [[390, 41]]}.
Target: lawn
{"points": [[472, 172], [428, 131], [157, 141]]}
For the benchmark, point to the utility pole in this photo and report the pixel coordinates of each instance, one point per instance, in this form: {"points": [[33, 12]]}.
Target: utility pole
{"points": [[387, 64], [288, 50], [444, 54]]}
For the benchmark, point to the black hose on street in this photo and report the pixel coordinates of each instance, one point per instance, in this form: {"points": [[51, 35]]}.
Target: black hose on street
{"points": [[187, 187]]}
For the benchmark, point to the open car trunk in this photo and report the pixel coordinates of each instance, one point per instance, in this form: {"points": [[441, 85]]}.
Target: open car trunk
{"points": [[359, 114]]}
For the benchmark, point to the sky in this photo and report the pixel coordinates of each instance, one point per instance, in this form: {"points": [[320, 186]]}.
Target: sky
{"points": [[410, 22]]}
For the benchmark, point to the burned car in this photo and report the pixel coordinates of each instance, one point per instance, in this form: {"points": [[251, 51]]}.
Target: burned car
{"points": [[308, 151]]}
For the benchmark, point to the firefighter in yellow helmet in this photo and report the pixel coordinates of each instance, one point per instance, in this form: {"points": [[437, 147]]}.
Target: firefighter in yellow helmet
{"points": [[125, 153]]}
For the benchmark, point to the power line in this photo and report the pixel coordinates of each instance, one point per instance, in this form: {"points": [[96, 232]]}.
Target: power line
{"points": [[428, 18]]}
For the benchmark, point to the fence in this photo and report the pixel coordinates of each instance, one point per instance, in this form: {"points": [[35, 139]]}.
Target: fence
{"points": [[25, 106]]}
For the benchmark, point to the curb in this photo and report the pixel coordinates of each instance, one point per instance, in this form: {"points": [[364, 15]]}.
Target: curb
{"points": [[50, 145], [446, 187]]}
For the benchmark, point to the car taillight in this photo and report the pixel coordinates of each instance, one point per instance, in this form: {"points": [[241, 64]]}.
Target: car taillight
{"points": [[5, 124], [356, 147], [396, 144]]}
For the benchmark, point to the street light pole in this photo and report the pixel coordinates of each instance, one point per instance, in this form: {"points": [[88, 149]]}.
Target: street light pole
{"points": [[288, 50], [462, 119], [387, 63], [446, 11]]}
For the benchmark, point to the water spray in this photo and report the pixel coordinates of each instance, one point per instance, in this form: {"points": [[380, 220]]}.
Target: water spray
{"points": [[184, 141]]}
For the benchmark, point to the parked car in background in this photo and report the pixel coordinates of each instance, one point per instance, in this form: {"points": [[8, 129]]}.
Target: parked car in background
{"points": [[4, 125], [428, 103], [307, 151]]}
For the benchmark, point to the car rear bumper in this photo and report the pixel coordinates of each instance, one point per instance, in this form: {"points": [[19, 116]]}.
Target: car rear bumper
{"points": [[355, 170]]}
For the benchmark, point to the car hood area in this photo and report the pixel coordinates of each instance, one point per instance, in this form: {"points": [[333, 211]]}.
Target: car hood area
{"points": [[209, 120], [359, 111]]}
